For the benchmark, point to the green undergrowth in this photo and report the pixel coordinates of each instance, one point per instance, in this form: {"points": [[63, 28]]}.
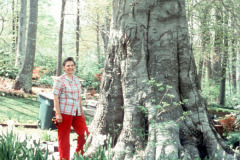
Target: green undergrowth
{"points": [[11, 148], [217, 109], [19, 109]]}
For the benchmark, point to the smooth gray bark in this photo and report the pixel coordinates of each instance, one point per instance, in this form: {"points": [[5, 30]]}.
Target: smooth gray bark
{"points": [[105, 29], [21, 34], [24, 78], [149, 40], [218, 43], [60, 39], [222, 92], [98, 49], [77, 34], [234, 56], [13, 27]]}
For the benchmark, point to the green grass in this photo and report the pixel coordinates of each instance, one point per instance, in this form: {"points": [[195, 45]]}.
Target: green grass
{"points": [[19, 109]]}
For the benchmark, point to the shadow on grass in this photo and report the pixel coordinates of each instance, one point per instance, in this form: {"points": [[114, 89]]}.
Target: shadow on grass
{"points": [[23, 100], [15, 107]]}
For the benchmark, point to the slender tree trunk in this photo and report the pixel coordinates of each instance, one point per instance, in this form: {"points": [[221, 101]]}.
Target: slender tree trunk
{"points": [[224, 63], [200, 68], [238, 57], [98, 42], [13, 27], [205, 38], [105, 31], [218, 43], [17, 21], [234, 58], [21, 34], [24, 78], [209, 65], [60, 39], [149, 42], [77, 34], [234, 67]]}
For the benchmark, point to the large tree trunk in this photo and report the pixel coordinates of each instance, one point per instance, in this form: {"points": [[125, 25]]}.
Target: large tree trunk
{"points": [[24, 78], [60, 39], [149, 43], [21, 34]]}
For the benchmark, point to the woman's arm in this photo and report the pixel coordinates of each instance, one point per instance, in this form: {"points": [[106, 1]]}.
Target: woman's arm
{"points": [[57, 108], [82, 113]]}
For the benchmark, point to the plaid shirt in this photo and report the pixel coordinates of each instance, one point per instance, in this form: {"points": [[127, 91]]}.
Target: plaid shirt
{"points": [[69, 94]]}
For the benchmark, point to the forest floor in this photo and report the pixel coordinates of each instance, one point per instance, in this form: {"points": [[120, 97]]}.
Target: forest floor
{"points": [[7, 84]]}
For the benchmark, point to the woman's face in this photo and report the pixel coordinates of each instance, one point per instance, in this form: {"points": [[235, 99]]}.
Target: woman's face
{"points": [[69, 67]]}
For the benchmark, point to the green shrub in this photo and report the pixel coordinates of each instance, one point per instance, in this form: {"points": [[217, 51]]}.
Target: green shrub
{"points": [[233, 139], [48, 63], [91, 77], [210, 91], [8, 72], [7, 68], [46, 81], [232, 100], [12, 149], [48, 136]]}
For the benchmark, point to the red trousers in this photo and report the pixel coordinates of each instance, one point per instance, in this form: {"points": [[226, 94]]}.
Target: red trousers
{"points": [[64, 129]]}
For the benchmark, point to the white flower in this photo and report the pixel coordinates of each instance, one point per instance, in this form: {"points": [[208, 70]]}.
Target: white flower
{"points": [[101, 138], [10, 124], [1, 129]]}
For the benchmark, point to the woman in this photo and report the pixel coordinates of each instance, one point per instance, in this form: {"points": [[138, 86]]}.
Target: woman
{"points": [[68, 108]]}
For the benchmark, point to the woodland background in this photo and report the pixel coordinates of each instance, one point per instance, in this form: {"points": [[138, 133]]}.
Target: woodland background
{"points": [[213, 28], [36, 35]]}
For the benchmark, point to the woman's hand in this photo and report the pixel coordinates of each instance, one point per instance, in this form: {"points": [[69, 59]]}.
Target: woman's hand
{"points": [[59, 118], [82, 113]]}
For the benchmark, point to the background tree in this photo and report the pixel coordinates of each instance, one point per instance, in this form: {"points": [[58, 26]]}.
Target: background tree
{"points": [[149, 42], [59, 64], [224, 62], [21, 34], [218, 44], [234, 56], [14, 25], [105, 30], [77, 34], [205, 40], [24, 78]]}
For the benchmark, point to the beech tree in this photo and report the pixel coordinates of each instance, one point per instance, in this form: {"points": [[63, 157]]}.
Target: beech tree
{"points": [[149, 50], [24, 78]]}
